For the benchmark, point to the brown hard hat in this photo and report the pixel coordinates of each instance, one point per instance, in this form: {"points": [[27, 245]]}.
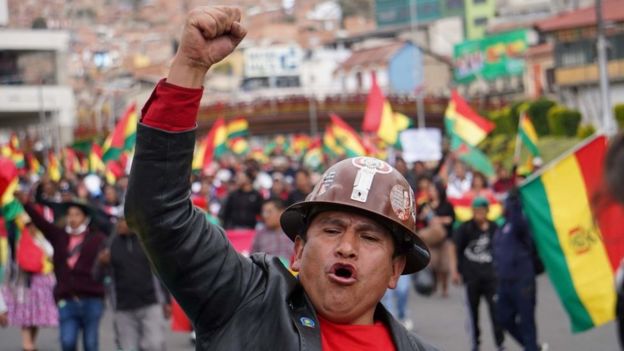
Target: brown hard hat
{"points": [[373, 188]]}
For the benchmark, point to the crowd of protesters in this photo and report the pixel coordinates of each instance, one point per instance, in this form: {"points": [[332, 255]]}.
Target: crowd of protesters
{"points": [[93, 260]]}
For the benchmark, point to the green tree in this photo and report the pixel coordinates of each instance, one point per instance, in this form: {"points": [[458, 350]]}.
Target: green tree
{"points": [[563, 122], [537, 111]]}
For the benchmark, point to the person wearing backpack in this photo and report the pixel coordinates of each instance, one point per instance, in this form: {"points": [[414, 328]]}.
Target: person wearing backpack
{"points": [[516, 264]]}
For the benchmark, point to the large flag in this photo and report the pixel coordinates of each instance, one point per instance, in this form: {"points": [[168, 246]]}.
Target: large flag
{"points": [[580, 251], [380, 119], [123, 137], [212, 146], [347, 138], [465, 122], [528, 135], [238, 127]]}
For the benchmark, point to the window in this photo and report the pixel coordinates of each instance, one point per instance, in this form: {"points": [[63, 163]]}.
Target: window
{"points": [[480, 21], [576, 53]]}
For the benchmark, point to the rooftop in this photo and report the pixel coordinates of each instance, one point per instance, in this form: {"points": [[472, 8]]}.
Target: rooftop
{"points": [[612, 11]]}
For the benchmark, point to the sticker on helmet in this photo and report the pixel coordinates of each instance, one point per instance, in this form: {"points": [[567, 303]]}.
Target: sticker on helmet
{"points": [[369, 162], [364, 178], [326, 182], [401, 201]]}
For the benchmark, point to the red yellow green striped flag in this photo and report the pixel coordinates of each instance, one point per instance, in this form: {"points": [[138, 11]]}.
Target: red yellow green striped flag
{"points": [[463, 208], [211, 147], [123, 136], [580, 251], [300, 144], [330, 145], [313, 157], [9, 182], [528, 135], [465, 122], [238, 146], [346, 137], [238, 127], [96, 165], [70, 160], [33, 164]]}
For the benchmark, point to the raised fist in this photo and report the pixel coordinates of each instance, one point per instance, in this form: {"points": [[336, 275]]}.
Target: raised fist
{"points": [[210, 34]]}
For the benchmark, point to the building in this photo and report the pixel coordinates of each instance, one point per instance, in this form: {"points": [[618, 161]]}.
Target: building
{"points": [[474, 13], [573, 36], [34, 92]]}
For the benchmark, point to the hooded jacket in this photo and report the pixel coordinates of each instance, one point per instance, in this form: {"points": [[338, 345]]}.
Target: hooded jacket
{"points": [[234, 302]]}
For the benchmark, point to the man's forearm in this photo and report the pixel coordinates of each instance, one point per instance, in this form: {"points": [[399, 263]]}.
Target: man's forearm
{"points": [[187, 74]]}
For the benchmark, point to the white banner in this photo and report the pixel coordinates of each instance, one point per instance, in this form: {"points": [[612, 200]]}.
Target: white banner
{"points": [[273, 61], [423, 144]]}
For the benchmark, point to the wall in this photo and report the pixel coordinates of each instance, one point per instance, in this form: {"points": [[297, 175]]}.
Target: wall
{"points": [[406, 70], [481, 9]]}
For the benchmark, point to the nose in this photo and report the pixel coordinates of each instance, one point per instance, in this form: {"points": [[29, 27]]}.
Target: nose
{"points": [[347, 245]]}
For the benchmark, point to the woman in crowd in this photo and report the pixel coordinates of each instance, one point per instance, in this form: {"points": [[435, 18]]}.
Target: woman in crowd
{"points": [[439, 214], [28, 295]]}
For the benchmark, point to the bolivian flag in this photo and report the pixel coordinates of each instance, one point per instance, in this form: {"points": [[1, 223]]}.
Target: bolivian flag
{"points": [[463, 208], [212, 146], [346, 137], [580, 250], [528, 135], [465, 122], [96, 165], [123, 137], [238, 127]]}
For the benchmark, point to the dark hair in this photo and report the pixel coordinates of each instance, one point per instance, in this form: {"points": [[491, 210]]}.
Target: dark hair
{"points": [[278, 203], [304, 171], [481, 176]]}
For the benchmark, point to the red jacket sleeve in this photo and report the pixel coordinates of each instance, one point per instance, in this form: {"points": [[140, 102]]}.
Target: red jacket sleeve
{"points": [[172, 108]]}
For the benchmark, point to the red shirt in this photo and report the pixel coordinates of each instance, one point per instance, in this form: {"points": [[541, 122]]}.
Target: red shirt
{"points": [[355, 337]]}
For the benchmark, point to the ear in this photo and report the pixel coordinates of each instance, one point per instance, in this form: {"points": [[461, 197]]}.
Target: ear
{"points": [[398, 264], [299, 244]]}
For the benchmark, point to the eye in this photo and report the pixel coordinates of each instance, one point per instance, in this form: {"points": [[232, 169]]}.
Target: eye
{"points": [[370, 237], [331, 230]]}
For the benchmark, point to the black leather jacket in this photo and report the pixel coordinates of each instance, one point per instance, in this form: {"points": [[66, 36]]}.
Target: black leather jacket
{"points": [[234, 302]]}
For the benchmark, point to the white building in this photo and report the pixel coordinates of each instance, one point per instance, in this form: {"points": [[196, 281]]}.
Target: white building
{"points": [[33, 84]]}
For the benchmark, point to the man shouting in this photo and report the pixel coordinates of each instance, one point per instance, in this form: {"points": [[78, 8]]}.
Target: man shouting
{"points": [[354, 235]]}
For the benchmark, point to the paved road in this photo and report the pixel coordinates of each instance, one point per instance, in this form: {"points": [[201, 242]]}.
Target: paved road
{"points": [[439, 321]]}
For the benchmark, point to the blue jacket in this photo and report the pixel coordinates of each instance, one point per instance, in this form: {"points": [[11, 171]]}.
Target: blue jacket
{"points": [[513, 244]]}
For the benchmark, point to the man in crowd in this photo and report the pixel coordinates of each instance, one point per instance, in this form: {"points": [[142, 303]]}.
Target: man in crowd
{"points": [[303, 186], [515, 270], [271, 238], [353, 239], [140, 303], [242, 207], [472, 262]]}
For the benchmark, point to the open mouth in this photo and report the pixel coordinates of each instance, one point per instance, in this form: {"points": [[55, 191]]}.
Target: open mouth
{"points": [[344, 274]]}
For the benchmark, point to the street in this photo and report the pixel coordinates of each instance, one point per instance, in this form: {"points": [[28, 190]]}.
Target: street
{"points": [[439, 321]]}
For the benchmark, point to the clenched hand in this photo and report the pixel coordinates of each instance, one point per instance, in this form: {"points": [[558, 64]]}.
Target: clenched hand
{"points": [[210, 34]]}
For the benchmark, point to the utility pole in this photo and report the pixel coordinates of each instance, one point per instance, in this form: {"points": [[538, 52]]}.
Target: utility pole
{"points": [[418, 91], [608, 125]]}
